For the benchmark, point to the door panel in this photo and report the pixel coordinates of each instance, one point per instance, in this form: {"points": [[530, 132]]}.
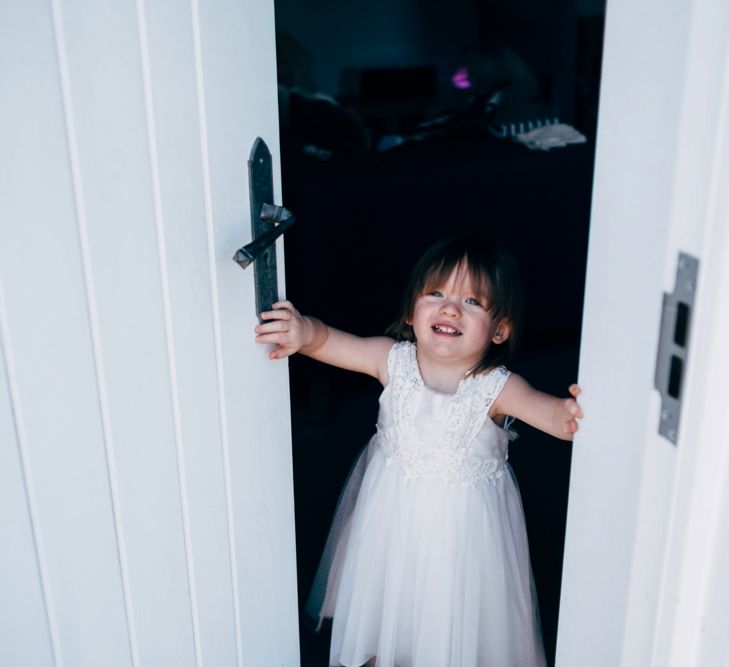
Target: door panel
{"points": [[149, 471], [49, 355], [634, 172], [27, 623], [660, 163]]}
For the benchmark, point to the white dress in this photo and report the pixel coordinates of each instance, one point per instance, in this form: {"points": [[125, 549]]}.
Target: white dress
{"points": [[427, 562]]}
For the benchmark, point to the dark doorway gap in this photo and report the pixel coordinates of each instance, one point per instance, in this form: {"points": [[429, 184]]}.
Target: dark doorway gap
{"points": [[364, 216]]}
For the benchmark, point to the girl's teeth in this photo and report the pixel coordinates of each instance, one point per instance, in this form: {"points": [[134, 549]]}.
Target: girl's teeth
{"points": [[447, 330]]}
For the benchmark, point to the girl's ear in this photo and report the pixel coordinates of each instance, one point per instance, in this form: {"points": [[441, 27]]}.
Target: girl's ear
{"points": [[502, 333]]}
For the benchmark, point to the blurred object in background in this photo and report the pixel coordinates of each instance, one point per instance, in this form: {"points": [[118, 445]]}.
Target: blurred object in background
{"points": [[309, 121]]}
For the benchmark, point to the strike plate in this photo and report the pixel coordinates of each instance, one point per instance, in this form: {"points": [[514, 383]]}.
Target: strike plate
{"points": [[673, 344]]}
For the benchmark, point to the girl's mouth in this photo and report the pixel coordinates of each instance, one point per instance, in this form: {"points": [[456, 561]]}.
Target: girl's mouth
{"points": [[445, 329]]}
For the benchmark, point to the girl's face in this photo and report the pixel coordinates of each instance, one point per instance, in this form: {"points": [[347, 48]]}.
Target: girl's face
{"points": [[453, 324]]}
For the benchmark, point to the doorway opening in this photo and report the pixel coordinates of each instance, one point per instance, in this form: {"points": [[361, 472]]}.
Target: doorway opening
{"points": [[394, 134]]}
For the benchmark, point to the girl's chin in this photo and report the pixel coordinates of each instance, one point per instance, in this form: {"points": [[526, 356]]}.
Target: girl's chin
{"points": [[452, 356]]}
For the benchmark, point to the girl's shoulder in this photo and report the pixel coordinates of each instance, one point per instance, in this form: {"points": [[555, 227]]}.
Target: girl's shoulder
{"points": [[495, 375], [496, 371], [401, 357], [402, 348], [491, 383], [515, 392]]}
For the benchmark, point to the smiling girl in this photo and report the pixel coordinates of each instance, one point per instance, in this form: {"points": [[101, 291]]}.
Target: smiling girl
{"points": [[427, 563]]}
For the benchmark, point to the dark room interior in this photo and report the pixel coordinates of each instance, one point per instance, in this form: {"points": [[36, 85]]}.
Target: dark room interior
{"points": [[398, 124]]}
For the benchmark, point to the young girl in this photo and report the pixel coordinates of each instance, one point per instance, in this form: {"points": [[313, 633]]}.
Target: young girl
{"points": [[427, 564]]}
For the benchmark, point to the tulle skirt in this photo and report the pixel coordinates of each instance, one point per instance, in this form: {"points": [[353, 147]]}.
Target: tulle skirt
{"points": [[423, 574]]}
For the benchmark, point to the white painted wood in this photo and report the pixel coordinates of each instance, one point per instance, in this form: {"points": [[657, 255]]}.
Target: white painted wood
{"points": [[633, 173], [47, 343], [235, 43], [693, 612], [146, 469], [634, 521], [20, 554]]}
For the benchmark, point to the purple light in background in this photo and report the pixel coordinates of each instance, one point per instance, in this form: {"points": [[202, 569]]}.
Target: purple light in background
{"points": [[460, 78]]}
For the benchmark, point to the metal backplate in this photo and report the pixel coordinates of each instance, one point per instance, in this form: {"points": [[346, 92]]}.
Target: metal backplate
{"points": [[260, 173], [673, 344]]}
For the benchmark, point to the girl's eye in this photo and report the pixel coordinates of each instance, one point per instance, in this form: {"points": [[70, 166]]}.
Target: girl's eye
{"points": [[473, 301], [435, 292]]}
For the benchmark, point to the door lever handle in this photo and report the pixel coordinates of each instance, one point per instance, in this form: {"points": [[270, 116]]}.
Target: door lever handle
{"points": [[270, 213], [261, 250]]}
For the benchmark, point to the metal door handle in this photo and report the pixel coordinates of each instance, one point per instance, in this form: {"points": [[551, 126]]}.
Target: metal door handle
{"points": [[261, 249], [270, 213]]}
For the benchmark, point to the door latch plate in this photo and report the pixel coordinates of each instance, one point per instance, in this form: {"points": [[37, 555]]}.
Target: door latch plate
{"points": [[673, 344], [268, 222], [260, 172]]}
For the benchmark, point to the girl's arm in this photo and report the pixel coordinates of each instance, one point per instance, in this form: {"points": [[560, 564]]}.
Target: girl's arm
{"points": [[556, 416], [293, 332]]}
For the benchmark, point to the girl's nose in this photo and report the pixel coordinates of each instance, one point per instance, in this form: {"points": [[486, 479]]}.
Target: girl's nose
{"points": [[450, 308]]}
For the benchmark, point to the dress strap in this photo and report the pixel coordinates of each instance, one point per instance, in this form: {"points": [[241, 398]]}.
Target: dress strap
{"points": [[405, 382], [494, 382], [479, 393], [400, 359]]}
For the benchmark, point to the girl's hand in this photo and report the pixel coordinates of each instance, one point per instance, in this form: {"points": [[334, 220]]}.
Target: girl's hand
{"points": [[286, 328], [553, 415], [573, 411]]}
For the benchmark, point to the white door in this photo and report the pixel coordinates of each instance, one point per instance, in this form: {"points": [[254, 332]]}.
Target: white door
{"points": [[146, 506], [647, 543]]}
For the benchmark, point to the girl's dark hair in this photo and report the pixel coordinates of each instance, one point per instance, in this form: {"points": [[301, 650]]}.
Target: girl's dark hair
{"points": [[493, 272]]}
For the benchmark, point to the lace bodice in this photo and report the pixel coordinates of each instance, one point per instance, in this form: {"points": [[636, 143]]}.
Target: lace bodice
{"points": [[430, 435]]}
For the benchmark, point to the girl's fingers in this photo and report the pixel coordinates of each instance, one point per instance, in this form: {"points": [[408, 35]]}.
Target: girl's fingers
{"points": [[278, 314], [270, 327], [283, 303], [571, 426], [574, 407], [278, 337], [571, 404], [286, 308], [281, 326]]}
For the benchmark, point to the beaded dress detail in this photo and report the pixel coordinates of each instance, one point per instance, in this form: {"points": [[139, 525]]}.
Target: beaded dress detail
{"points": [[427, 561]]}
